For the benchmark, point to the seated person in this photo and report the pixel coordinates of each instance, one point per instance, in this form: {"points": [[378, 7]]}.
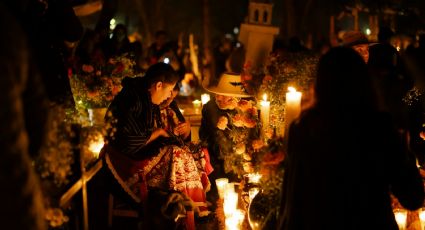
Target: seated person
{"points": [[175, 122], [139, 151]]}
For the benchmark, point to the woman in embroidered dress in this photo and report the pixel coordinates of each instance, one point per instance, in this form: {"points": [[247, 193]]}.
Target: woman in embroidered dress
{"points": [[139, 150], [174, 121]]}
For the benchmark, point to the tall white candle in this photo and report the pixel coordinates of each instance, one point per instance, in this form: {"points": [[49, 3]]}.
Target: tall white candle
{"points": [[293, 106], [265, 111], [197, 105], [221, 186]]}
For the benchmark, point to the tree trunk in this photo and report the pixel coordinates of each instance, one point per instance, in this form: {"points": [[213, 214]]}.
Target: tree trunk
{"points": [[209, 61], [290, 23], [159, 15], [140, 5]]}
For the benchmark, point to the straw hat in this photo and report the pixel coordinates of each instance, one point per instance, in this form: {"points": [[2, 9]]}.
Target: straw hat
{"points": [[353, 38], [229, 84]]}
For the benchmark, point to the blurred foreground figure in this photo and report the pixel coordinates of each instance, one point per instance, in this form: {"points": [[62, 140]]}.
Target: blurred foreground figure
{"points": [[344, 157], [20, 195]]}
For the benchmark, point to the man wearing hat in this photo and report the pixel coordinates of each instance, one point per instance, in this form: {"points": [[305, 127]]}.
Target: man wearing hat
{"points": [[359, 42], [227, 92]]}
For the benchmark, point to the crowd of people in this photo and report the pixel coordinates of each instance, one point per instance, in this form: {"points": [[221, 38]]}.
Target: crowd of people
{"points": [[346, 154]]}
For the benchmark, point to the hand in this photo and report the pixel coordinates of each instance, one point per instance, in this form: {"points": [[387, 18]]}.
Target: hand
{"points": [[182, 129], [157, 133]]}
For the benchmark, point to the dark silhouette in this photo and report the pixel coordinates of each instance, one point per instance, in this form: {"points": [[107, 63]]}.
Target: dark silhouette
{"points": [[118, 44], [157, 49], [20, 194], [344, 157], [50, 26]]}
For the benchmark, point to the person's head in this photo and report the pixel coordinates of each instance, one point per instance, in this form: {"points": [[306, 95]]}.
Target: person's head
{"points": [[160, 38], [226, 102], [228, 89], [174, 94], [363, 50], [343, 81], [120, 32], [159, 80], [357, 41], [385, 34]]}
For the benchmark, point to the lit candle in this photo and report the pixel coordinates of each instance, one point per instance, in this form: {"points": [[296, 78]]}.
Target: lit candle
{"points": [[230, 203], [293, 106], [422, 217], [221, 186], [96, 145], [230, 188], [235, 221], [265, 111], [196, 105], [205, 98], [400, 217]]}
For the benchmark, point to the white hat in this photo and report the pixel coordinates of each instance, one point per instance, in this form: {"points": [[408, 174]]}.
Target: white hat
{"points": [[229, 84]]}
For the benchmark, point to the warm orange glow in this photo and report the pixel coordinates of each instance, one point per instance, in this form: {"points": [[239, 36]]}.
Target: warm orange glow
{"points": [[96, 145]]}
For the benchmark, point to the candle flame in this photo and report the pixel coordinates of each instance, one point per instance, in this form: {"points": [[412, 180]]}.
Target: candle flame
{"points": [[96, 146], [265, 97], [291, 89]]}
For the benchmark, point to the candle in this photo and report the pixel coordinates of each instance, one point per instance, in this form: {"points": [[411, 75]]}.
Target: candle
{"points": [[265, 111], [196, 104], [293, 106], [230, 188], [230, 203], [231, 223], [221, 186], [400, 217], [422, 217], [96, 145], [205, 98]]}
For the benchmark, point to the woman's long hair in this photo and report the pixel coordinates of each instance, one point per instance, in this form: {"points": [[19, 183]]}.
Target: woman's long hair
{"points": [[343, 83]]}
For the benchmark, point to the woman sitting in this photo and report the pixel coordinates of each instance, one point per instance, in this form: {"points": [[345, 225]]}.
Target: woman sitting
{"points": [[140, 151]]}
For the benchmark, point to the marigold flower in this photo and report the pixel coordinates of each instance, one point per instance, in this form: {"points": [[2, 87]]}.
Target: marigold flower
{"points": [[257, 144], [240, 148], [249, 123], [222, 123], [238, 120], [244, 105]]}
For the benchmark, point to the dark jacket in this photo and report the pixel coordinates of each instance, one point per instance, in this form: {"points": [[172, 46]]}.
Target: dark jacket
{"points": [[209, 133], [133, 116], [340, 171]]}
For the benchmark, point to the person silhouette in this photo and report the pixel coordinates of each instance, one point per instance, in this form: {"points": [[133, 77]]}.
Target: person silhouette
{"points": [[345, 157]]}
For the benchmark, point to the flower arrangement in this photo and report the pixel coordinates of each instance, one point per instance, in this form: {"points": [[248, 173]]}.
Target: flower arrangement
{"points": [[235, 131], [56, 155], [94, 86], [293, 69], [55, 217]]}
